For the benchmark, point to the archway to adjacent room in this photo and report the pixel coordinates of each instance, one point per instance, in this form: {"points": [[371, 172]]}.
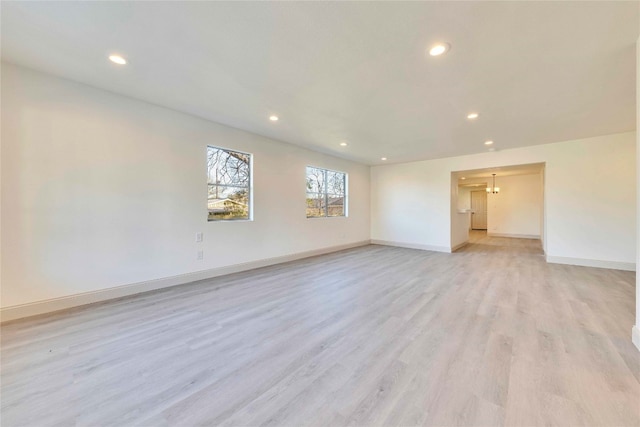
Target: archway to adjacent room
{"points": [[507, 204]]}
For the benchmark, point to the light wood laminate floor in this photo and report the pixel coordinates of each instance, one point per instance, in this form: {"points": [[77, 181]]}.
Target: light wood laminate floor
{"points": [[491, 335]]}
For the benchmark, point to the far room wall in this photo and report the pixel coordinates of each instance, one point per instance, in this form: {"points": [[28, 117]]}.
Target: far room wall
{"points": [[517, 210], [589, 198]]}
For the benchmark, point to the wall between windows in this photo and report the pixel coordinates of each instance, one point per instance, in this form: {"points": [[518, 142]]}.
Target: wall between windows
{"points": [[589, 199], [101, 192]]}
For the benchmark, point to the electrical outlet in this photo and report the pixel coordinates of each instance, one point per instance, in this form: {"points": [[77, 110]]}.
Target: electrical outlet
{"points": [[200, 255], [199, 237]]}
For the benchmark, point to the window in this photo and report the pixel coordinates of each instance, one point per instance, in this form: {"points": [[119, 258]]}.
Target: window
{"points": [[229, 179], [326, 193]]}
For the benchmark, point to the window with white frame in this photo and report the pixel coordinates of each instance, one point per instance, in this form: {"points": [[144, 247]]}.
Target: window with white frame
{"points": [[229, 182], [326, 193]]}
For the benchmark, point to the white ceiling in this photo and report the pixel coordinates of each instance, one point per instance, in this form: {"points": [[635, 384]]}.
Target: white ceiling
{"points": [[537, 72]]}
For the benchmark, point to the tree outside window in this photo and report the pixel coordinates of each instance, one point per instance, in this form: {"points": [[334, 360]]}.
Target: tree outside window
{"points": [[229, 181], [326, 193]]}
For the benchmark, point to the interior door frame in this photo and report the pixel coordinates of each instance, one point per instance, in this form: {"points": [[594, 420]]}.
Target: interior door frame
{"points": [[486, 213]]}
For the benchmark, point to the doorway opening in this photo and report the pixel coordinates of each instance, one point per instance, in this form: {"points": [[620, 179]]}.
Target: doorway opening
{"points": [[512, 206]]}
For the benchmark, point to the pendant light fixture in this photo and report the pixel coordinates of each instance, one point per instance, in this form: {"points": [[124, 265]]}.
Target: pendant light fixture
{"points": [[493, 189]]}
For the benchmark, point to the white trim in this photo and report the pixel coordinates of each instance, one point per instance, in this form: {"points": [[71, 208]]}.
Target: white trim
{"points": [[635, 336], [62, 303], [458, 246], [515, 236], [411, 246], [614, 265]]}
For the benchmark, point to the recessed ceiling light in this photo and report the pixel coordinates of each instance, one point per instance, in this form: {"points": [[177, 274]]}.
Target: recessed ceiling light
{"points": [[117, 59], [463, 177], [383, 158], [439, 49], [273, 118], [472, 116], [488, 142], [343, 144]]}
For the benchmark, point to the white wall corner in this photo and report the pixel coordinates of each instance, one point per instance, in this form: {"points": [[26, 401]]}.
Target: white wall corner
{"points": [[596, 263], [635, 336]]}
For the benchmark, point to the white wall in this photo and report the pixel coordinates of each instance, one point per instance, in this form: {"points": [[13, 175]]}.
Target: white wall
{"points": [[590, 191], [636, 328], [460, 217], [464, 204], [99, 190], [517, 210], [464, 197], [459, 229]]}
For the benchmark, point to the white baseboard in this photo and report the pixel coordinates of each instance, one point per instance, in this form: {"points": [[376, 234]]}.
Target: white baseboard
{"points": [[635, 336], [614, 265], [411, 246], [515, 236], [458, 246], [70, 301]]}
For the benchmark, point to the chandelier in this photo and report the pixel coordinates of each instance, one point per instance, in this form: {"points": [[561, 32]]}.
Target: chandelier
{"points": [[493, 189]]}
